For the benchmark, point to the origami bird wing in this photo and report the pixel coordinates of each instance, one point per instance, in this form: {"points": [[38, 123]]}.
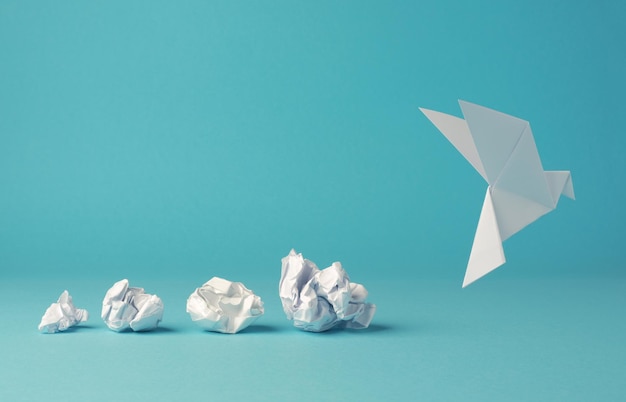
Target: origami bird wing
{"points": [[495, 135], [457, 132]]}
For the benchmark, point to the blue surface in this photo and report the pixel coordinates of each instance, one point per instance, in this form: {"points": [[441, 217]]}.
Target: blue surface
{"points": [[168, 143]]}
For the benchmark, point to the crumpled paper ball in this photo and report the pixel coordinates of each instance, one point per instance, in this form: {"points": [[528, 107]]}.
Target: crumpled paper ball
{"points": [[318, 300], [224, 306], [125, 307], [62, 315]]}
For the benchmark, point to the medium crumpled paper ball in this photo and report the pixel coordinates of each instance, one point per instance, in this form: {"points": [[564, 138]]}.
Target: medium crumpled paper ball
{"points": [[318, 300], [62, 315], [124, 307], [224, 306]]}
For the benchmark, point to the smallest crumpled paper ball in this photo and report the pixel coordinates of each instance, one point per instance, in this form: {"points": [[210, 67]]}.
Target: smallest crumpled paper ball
{"points": [[124, 307], [224, 306], [62, 315]]}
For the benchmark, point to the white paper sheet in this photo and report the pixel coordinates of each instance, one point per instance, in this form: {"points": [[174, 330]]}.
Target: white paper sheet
{"points": [[62, 315], [318, 300], [124, 307], [224, 306], [502, 150]]}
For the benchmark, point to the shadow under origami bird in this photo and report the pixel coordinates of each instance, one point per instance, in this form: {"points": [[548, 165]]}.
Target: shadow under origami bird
{"points": [[502, 150]]}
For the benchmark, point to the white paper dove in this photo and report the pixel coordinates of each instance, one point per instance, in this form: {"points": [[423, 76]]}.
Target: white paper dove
{"points": [[224, 306], [502, 150], [124, 307], [62, 315], [318, 300]]}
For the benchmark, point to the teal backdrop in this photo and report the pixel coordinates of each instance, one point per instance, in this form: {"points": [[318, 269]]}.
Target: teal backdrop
{"points": [[169, 142]]}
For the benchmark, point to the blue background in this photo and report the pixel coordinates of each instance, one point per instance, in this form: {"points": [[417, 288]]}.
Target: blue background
{"points": [[168, 143]]}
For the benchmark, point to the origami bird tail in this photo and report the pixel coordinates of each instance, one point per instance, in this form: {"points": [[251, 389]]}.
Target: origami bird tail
{"points": [[487, 253]]}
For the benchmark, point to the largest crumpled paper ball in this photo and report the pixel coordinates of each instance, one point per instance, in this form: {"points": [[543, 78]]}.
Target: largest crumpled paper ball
{"points": [[318, 300], [224, 306], [124, 307], [62, 315]]}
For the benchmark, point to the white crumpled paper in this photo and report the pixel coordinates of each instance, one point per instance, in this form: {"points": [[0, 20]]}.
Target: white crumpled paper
{"points": [[125, 307], [224, 306], [318, 300], [62, 315]]}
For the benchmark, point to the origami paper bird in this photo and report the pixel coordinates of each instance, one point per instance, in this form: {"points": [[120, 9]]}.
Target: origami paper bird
{"points": [[502, 150]]}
